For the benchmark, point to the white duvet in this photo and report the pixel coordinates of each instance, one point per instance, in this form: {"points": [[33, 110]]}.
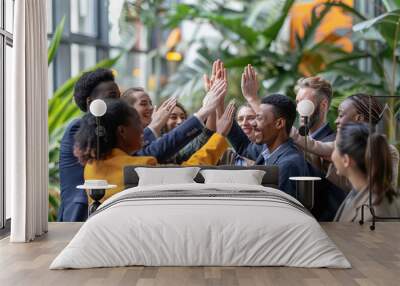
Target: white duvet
{"points": [[208, 230]]}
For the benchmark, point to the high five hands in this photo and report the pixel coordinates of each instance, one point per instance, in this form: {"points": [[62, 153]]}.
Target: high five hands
{"points": [[250, 87], [224, 123], [216, 87], [218, 72], [161, 114], [216, 96]]}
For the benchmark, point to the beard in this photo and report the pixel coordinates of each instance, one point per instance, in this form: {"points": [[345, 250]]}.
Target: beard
{"points": [[314, 118]]}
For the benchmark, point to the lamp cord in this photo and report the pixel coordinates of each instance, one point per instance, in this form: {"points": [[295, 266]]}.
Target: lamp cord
{"points": [[305, 142], [98, 139]]}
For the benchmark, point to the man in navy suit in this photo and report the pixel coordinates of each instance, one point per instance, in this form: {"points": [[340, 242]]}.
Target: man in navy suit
{"points": [[92, 85], [319, 91], [274, 119], [328, 196]]}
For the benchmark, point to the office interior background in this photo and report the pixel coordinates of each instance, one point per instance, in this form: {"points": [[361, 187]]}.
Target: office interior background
{"points": [[166, 51]]}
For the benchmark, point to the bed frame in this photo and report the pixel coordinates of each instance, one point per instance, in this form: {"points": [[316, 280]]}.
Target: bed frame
{"points": [[270, 179]]}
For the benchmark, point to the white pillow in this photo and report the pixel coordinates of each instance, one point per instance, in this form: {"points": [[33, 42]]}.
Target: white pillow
{"points": [[166, 176], [248, 177]]}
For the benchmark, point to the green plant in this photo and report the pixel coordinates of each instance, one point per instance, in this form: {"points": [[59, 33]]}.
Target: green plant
{"points": [[382, 35], [61, 110], [240, 44]]}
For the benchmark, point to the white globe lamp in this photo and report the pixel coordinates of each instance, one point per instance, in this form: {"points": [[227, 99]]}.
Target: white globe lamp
{"points": [[98, 108], [305, 108]]}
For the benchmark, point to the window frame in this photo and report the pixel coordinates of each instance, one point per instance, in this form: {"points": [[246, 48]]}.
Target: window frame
{"points": [[6, 39], [61, 66]]}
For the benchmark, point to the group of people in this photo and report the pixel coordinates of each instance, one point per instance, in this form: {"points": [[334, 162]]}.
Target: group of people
{"points": [[261, 132]]}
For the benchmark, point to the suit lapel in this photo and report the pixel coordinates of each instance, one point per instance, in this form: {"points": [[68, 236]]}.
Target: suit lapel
{"points": [[260, 160], [282, 149], [323, 132]]}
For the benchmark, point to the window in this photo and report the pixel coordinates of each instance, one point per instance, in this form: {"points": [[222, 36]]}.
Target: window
{"points": [[95, 30], [83, 17], [82, 40], [82, 57], [6, 44]]}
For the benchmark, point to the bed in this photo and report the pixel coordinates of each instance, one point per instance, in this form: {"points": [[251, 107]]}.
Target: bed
{"points": [[201, 224]]}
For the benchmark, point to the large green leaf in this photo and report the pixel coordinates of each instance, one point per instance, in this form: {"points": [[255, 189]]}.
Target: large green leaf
{"points": [[55, 42], [263, 13], [273, 30], [391, 5], [232, 23], [387, 24], [348, 9], [179, 13], [234, 62], [68, 86], [59, 115], [308, 40], [347, 58], [235, 25]]}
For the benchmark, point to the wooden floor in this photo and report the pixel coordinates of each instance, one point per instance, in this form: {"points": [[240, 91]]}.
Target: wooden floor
{"points": [[375, 257]]}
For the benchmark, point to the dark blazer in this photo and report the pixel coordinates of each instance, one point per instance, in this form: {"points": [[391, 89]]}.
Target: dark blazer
{"points": [[242, 145], [148, 136], [170, 143], [325, 134], [192, 147], [74, 202], [291, 163], [287, 157]]}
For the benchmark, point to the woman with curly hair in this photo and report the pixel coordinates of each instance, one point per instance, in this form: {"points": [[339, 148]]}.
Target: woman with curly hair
{"points": [[123, 135]]}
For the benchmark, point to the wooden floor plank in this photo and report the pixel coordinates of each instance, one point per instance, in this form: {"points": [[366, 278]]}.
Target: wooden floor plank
{"points": [[375, 257]]}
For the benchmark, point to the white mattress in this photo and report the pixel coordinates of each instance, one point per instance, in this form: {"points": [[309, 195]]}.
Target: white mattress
{"points": [[185, 230]]}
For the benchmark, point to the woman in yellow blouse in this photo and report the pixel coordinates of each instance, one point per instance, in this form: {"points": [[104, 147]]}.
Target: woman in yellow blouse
{"points": [[124, 135]]}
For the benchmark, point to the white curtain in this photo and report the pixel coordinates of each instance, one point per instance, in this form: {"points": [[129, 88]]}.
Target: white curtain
{"points": [[26, 123]]}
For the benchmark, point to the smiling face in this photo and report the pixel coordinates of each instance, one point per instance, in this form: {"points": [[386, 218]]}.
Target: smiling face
{"points": [[144, 107], [342, 162], [176, 118], [245, 118], [266, 126], [130, 135], [347, 113]]}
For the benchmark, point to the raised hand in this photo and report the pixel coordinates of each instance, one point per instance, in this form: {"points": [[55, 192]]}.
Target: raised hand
{"points": [[250, 87], [224, 123], [215, 96], [161, 114], [218, 72], [208, 82]]}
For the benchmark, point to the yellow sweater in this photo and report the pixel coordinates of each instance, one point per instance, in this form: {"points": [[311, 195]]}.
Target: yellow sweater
{"points": [[112, 168]]}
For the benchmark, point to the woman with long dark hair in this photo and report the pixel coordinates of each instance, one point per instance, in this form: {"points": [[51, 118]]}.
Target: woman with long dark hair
{"points": [[365, 160]]}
